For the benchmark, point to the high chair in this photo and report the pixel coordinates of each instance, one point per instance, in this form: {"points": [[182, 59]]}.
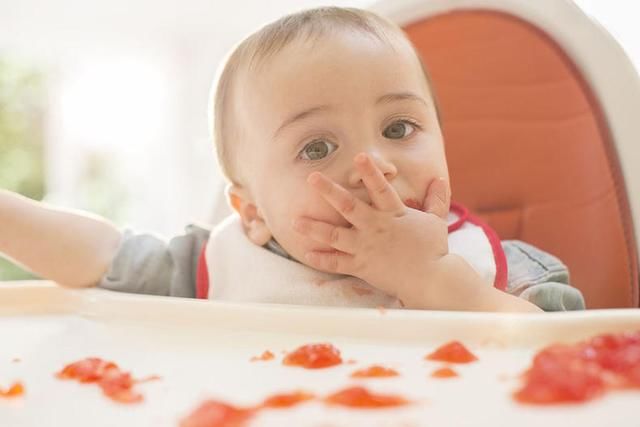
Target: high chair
{"points": [[539, 108]]}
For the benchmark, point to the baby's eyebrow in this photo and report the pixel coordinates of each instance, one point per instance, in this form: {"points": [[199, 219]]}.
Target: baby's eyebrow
{"points": [[384, 99], [301, 115], [400, 96]]}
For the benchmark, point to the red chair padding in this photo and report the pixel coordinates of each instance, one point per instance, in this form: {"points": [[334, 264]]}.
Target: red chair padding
{"points": [[528, 146]]}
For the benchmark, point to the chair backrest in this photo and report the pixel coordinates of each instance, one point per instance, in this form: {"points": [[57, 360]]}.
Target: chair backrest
{"points": [[531, 145]]}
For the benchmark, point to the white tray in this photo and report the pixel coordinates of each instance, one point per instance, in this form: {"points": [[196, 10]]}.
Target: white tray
{"points": [[201, 349]]}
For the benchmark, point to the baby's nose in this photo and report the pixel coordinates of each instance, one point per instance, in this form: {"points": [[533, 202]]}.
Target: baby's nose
{"points": [[380, 162]]}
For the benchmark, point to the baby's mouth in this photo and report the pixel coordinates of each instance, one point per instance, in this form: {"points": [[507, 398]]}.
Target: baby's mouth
{"points": [[414, 204]]}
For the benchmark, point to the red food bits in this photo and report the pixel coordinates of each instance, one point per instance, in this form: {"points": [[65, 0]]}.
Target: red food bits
{"points": [[16, 389], [87, 370], [314, 356], [453, 352], [375, 371], [445, 372], [360, 397], [115, 384], [266, 355], [286, 400], [119, 386], [212, 413], [580, 372]]}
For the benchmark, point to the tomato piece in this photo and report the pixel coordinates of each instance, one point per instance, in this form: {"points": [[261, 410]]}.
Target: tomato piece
{"points": [[314, 356], [118, 386], [286, 400], [452, 352], [375, 371], [445, 372], [16, 389], [87, 370], [115, 383], [266, 355], [360, 397], [212, 413], [582, 371]]}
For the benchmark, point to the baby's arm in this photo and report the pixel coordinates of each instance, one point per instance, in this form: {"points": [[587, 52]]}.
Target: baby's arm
{"points": [[453, 284], [69, 247]]}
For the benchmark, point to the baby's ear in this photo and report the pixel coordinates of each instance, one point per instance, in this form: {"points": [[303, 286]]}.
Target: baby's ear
{"points": [[252, 222]]}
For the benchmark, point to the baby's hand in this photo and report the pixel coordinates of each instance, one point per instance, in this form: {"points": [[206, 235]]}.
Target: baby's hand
{"points": [[388, 245]]}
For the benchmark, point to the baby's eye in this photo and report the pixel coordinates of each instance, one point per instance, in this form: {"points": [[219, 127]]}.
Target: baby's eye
{"points": [[398, 130], [317, 150]]}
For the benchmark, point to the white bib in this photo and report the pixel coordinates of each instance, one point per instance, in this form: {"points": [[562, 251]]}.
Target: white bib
{"points": [[241, 271]]}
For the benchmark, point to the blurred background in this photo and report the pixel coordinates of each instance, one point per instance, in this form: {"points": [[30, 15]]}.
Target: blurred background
{"points": [[103, 104]]}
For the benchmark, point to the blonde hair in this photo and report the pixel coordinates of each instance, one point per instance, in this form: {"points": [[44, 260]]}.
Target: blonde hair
{"points": [[253, 51]]}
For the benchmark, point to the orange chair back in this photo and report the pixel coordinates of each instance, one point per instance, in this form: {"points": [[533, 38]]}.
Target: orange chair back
{"points": [[528, 147]]}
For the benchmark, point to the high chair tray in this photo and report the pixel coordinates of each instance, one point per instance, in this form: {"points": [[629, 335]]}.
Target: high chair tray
{"points": [[202, 350]]}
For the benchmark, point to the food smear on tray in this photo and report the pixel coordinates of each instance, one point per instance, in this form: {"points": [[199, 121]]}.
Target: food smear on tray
{"points": [[361, 398], [375, 371], [115, 383], [287, 400], [265, 356], [580, 372], [213, 413], [314, 356], [148, 379], [445, 372], [15, 390], [452, 352]]}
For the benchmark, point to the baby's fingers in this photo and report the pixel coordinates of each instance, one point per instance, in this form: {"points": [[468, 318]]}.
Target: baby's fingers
{"points": [[382, 193], [437, 199], [354, 210], [331, 262], [340, 238]]}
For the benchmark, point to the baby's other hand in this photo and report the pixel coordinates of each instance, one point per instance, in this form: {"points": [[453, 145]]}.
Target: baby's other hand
{"points": [[389, 245]]}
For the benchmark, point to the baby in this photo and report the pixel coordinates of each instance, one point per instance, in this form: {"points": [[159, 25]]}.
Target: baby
{"points": [[327, 130]]}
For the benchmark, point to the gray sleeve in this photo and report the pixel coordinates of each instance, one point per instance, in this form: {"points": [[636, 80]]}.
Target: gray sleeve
{"points": [[540, 278], [147, 264]]}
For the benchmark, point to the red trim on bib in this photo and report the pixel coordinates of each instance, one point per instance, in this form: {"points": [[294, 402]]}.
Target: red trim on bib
{"points": [[499, 257], [202, 275], [463, 216], [502, 270]]}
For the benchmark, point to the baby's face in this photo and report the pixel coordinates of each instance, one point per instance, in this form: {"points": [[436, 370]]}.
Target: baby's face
{"points": [[313, 109]]}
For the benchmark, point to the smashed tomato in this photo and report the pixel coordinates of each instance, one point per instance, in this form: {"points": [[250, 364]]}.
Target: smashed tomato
{"points": [[212, 413], [314, 356], [375, 371], [360, 397], [16, 389], [115, 383], [87, 370], [583, 371], [452, 352], [286, 400], [266, 355], [444, 373]]}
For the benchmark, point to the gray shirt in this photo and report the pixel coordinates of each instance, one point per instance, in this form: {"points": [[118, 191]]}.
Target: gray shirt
{"points": [[147, 264]]}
